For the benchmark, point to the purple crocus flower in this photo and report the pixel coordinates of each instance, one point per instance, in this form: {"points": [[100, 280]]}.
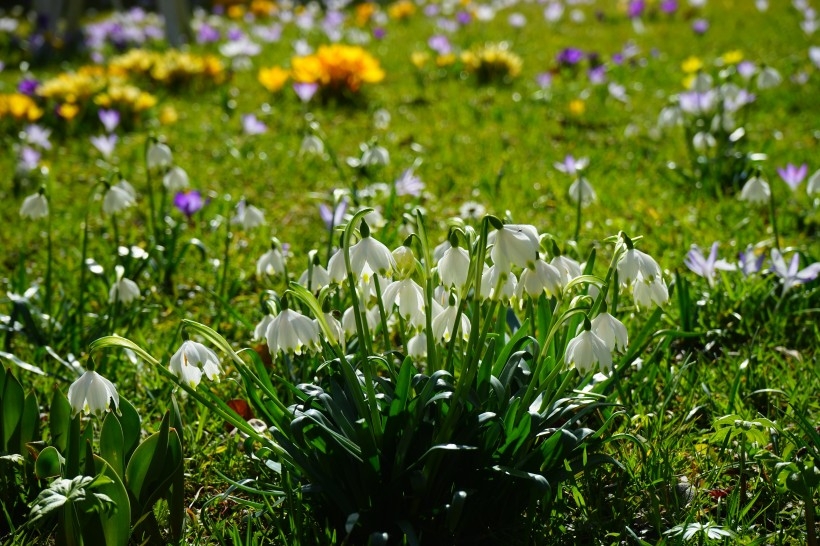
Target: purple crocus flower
{"points": [[409, 184], [379, 33], [37, 135], [431, 10], [572, 166], [792, 275], [617, 59], [235, 34], [251, 125], [570, 56], [635, 8], [597, 75], [207, 34], [189, 202], [28, 86], [700, 26], [464, 17], [440, 44], [105, 144], [669, 6], [746, 69], [110, 119], [544, 80], [335, 217], [749, 262], [29, 159], [706, 267], [305, 90], [793, 175]]}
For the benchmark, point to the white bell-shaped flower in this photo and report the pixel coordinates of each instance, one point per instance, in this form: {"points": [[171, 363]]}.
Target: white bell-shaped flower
{"points": [[271, 262], [292, 332], [92, 393], [408, 297], [813, 185], [192, 360], [768, 77], [634, 264], [159, 156], [582, 190], [586, 351], [611, 330], [490, 287], [417, 347], [176, 180], [648, 292], [369, 252], [453, 267], [567, 267], [116, 199], [539, 279], [35, 206], [248, 216], [756, 191], [261, 329], [314, 278], [444, 324], [123, 290], [349, 320], [336, 329], [514, 244]]}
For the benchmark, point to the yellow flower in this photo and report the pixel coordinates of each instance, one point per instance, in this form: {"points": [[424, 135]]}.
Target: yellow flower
{"points": [[419, 59], [168, 115], [263, 8], [68, 111], [236, 11], [20, 107], [144, 102], [402, 9], [273, 79], [337, 67], [732, 57], [577, 107], [364, 12], [492, 62], [448, 59], [689, 81], [692, 65]]}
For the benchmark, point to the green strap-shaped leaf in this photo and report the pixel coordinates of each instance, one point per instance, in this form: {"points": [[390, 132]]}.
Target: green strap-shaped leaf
{"points": [[136, 473], [13, 399], [131, 428], [116, 525], [59, 420], [30, 426], [112, 444]]}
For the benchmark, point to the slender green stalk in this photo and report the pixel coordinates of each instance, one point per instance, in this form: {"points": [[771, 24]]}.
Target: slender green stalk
{"points": [[773, 219], [578, 210]]}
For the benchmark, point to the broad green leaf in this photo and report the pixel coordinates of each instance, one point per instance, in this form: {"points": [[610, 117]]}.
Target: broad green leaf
{"points": [[13, 399], [111, 444], [116, 524], [59, 420], [136, 473], [30, 425], [131, 428], [49, 463]]}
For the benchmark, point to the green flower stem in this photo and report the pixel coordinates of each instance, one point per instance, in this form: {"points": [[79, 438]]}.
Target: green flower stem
{"points": [[152, 209], [773, 219], [578, 210], [382, 314]]}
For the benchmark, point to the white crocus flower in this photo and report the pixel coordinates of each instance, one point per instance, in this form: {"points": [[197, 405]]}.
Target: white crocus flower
{"points": [[586, 350], [582, 189], [92, 393], [514, 244], [186, 362], [123, 290], [35, 206], [454, 267], [292, 332], [538, 279], [611, 330], [117, 199], [755, 191], [159, 156], [176, 180], [248, 216]]}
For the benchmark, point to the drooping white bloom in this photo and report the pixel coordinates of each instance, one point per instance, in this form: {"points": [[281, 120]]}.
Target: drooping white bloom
{"points": [[583, 190], [292, 332], [312, 145], [417, 346], [703, 141], [586, 350], [813, 185], [118, 198], [271, 262], [35, 206], [490, 287], [123, 290], [567, 267], [375, 155], [159, 156], [314, 278], [647, 292], [336, 330], [768, 77], [349, 320], [186, 362], [408, 297], [373, 254], [755, 191], [445, 322], [176, 180], [514, 244], [538, 279], [634, 264], [92, 393], [670, 116], [611, 330], [248, 216], [261, 328], [337, 268], [453, 267]]}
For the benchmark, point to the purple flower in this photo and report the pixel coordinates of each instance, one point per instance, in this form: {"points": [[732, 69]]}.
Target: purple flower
{"points": [[597, 75], [235, 34], [617, 59], [189, 202], [792, 275], [251, 125], [105, 144], [570, 56], [746, 69], [37, 135], [669, 6], [207, 34], [28, 86], [544, 80], [110, 119], [268, 34], [463, 17], [572, 166], [706, 267], [431, 10], [793, 175], [700, 26], [409, 184], [440, 44], [635, 8], [749, 262], [305, 91], [335, 217], [379, 33], [29, 159]]}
